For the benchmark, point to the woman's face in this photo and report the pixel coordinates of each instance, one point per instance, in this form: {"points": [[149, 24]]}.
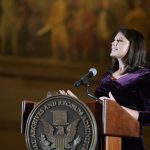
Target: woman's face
{"points": [[120, 46]]}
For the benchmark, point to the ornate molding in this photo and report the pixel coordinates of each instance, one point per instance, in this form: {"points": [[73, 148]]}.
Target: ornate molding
{"points": [[45, 69]]}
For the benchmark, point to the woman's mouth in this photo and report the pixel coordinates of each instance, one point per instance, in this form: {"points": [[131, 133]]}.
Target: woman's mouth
{"points": [[114, 49]]}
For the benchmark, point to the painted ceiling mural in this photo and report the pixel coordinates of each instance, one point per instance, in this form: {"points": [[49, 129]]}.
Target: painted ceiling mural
{"points": [[68, 30]]}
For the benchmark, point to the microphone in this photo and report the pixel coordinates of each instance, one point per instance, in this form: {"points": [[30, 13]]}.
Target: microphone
{"points": [[85, 78]]}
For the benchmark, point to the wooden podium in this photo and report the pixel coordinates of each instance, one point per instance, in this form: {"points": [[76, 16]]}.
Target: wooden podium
{"points": [[113, 122]]}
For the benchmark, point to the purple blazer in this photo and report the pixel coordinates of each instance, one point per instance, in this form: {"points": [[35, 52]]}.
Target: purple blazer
{"points": [[132, 91]]}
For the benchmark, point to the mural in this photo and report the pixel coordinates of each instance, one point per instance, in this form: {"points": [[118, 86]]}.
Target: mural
{"points": [[68, 30]]}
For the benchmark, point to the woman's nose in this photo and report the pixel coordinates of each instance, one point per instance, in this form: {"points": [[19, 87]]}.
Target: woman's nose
{"points": [[113, 43]]}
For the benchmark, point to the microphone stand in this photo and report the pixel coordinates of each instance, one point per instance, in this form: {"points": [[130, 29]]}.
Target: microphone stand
{"points": [[87, 85]]}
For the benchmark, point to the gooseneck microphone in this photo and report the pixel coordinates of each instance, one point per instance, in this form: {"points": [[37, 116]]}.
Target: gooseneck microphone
{"points": [[85, 79]]}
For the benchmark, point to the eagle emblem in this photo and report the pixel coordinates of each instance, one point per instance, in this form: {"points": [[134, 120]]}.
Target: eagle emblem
{"points": [[59, 137]]}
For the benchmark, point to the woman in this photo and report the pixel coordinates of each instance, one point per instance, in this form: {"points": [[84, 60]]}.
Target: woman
{"points": [[128, 82]]}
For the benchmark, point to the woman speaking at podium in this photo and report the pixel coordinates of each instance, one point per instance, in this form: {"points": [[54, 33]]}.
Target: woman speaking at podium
{"points": [[128, 82]]}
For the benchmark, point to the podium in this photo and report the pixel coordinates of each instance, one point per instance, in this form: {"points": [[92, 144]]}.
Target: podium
{"points": [[113, 122]]}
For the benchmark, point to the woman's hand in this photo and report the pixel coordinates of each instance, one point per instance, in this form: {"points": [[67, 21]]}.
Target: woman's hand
{"points": [[133, 113], [68, 92], [109, 98]]}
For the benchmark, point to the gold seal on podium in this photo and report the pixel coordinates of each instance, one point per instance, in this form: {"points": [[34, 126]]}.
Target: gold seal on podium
{"points": [[61, 122]]}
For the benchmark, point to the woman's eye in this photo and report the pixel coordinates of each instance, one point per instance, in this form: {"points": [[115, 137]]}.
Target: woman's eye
{"points": [[119, 40]]}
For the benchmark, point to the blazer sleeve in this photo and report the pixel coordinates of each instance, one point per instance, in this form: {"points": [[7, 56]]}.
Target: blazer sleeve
{"points": [[144, 114]]}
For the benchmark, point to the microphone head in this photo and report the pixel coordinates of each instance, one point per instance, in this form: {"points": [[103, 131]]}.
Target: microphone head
{"points": [[94, 71], [85, 78]]}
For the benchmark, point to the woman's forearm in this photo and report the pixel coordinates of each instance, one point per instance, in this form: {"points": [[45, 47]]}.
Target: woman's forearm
{"points": [[133, 113]]}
